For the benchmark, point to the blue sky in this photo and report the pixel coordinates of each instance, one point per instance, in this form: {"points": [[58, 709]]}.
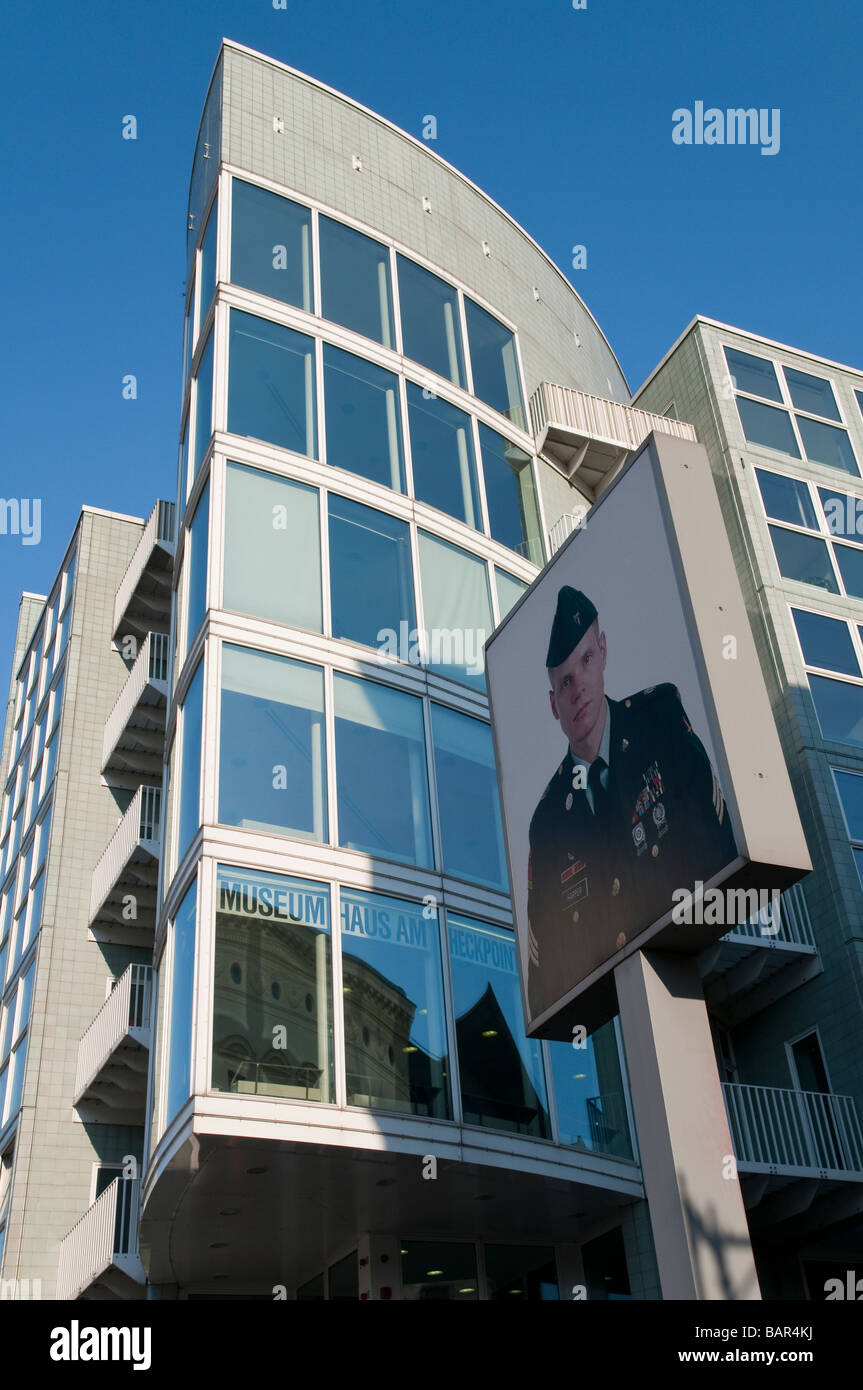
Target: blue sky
{"points": [[563, 116]]}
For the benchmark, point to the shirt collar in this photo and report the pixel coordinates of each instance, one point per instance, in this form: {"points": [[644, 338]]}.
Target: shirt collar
{"points": [[605, 742]]}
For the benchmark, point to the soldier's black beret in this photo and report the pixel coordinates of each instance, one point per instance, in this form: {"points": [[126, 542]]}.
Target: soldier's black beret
{"points": [[572, 618]]}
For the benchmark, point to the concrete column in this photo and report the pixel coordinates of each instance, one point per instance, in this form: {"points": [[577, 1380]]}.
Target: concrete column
{"points": [[699, 1223]]}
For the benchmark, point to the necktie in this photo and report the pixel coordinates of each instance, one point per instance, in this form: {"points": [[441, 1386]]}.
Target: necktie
{"points": [[594, 781]]}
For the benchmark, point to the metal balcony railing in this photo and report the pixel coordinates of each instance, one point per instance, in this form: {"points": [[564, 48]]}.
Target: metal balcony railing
{"points": [[160, 531], [139, 830], [106, 1235], [799, 1132], [125, 1014], [624, 426], [795, 924], [150, 667]]}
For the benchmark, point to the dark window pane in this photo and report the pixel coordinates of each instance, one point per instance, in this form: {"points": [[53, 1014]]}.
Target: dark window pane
{"points": [[786, 499], [765, 425], [363, 418], [438, 1271], [179, 1038], [382, 778], [468, 798], [343, 1280], [843, 513], [753, 374], [355, 282], [804, 558], [839, 707], [809, 1064], [826, 642], [272, 1000], [605, 1272], [272, 769], [858, 860], [370, 575], [271, 245], [826, 444], [271, 384], [812, 393], [493, 362], [502, 1077], [521, 1274], [395, 1026], [431, 332], [850, 562], [859, 395], [442, 455], [204, 403], [313, 1291], [208, 264], [850, 787], [512, 510]]}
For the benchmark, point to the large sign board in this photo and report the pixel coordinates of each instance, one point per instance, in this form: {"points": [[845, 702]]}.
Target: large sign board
{"points": [[645, 797]]}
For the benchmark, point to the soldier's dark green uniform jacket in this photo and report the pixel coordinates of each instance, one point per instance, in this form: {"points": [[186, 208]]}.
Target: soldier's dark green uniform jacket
{"points": [[594, 881]]}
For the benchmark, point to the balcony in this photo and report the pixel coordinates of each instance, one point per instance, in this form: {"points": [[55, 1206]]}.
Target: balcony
{"points": [[143, 602], [113, 1053], [589, 437], [799, 1156], [123, 892], [754, 965], [99, 1257], [135, 729]]}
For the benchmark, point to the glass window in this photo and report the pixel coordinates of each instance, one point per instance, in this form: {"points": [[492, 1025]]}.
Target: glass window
{"points": [[812, 393], [34, 913], [786, 499], [804, 558], [509, 590], [182, 992], [187, 338], [843, 513], [343, 1280], [48, 765], [438, 1271], [442, 455], [15, 1080], [363, 420], [502, 1077], [589, 1092], [826, 642], [208, 264], [850, 787], [494, 364], [605, 1272], [204, 404], [189, 817], [839, 706], [271, 240], [371, 576], [198, 542], [513, 514], [395, 1028], [456, 610], [753, 374], [431, 332], [25, 994], [521, 1274], [355, 282], [272, 559], [827, 444], [850, 562], [272, 760], [43, 835], [468, 798], [272, 1000], [859, 395], [271, 384], [383, 794], [767, 426]]}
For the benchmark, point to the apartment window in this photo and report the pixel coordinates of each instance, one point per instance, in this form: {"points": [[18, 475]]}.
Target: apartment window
{"points": [[850, 788], [826, 642], [355, 282], [521, 1274], [204, 404], [363, 418], [509, 591], [188, 818], [812, 393], [271, 240], [179, 1038], [456, 610], [470, 819], [196, 566], [272, 555], [439, 1271], [827, 444], [808, 1068], [767, 426], [756, 375], [442, 456], [804, 558], [272, 761], [431, 332], [839, 706], [842, 512], [850, 562], [383, 798], [494, 363], [272, 995], [371, 576], [502, 1077], [271, 384], [513, 513], [786, 499], [396, 1058], [859, 396], [208, 264]]}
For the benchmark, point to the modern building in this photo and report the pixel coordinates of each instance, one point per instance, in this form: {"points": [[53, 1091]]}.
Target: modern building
{"points": [[263, 1016]]}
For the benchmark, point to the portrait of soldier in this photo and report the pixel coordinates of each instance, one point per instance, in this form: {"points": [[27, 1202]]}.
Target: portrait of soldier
{"points": [[633, 812]]}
